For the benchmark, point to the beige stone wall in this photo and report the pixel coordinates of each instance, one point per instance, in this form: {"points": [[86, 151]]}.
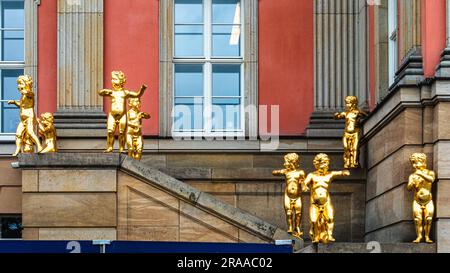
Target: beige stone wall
{"points": [[388, 203], [69, 204], [10, 188], [410, 120], [245, 181], [147, 213]]}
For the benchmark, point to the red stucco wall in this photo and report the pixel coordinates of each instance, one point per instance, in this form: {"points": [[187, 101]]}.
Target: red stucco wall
{"points": [[131, 45], [286, 61], [433, 34], [47, 56]]}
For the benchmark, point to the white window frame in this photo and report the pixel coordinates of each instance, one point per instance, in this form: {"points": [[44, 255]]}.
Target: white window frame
{"points": [[393, 39], [6, 65], [207, 60]]}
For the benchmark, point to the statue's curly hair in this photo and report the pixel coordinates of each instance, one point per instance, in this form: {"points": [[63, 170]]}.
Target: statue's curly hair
{"points": [[418, 157], [320, 157], [293, 158], [26, 79], [120, 75]]}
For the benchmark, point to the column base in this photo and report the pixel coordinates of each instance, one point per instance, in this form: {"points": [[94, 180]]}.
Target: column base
{"points": [[443, 68], [411, 70], [323, 124], [80, 124]]}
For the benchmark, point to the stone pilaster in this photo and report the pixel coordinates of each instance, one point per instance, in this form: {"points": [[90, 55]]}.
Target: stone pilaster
{"points": [[340, 68], [80, 68], [443, 69], [31, 39], [410, 71]]}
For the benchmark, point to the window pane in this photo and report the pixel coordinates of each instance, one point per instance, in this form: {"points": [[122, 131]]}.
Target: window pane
{"points": [[189, 40], [12, 14], [10, 119], [9, 113], [226, 80], [226, 11], [11, 227], [226, 83], [226, 116], [188, 80], [188, 11], [188, 114], [12, 46], [226, 40], [9, 84]]}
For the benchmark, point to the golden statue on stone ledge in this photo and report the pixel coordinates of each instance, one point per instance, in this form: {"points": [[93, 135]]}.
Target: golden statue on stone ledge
{"points": [[421, 181], [25, 133], [321, 211], [292, 196], [135, 142], [351, 133], [48, 132], [117, 114]]}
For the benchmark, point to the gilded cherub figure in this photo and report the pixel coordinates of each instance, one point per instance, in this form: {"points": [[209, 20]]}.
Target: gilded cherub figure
{"points": [[117, 115], [26, 127], [135, 141], [48, 132], [321, 211], [420, 181], [292, 195], [350, 139]]}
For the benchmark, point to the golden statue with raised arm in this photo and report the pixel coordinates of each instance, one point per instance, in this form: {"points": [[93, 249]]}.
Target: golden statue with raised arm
{"points": [[421, 181], [27, 124], [292, 195], [117, 114], [48, 132], [135, 142], [321, 211], [351, 133]]}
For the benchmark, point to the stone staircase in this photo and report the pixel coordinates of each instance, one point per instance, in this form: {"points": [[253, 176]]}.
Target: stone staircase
{"points": [[132, 202]]}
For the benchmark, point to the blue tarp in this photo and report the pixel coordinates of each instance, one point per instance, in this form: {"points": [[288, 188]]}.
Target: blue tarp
{"points": [[22, 246]]}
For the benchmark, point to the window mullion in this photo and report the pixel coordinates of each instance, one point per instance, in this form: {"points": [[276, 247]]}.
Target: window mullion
{"points": [[208, 97], [208, 68]]}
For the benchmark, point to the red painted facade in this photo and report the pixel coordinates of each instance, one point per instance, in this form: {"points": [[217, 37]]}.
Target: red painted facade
{"points": [[286, 54], [433, 34], [47, 56], [131, 45], [286, 61]]}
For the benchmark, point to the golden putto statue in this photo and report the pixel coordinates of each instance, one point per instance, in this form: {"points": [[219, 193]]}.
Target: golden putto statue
{"points": [[25, 133], [420, 181], [117, 116], [135, 142], [350, 139], [48, 132], [292, 196], [321, 211]]}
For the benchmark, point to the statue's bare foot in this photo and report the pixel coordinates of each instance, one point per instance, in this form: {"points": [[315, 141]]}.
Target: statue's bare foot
{"points": [[109, 150], [417, 240], [331, 239], [15, 154], [428, 240]]}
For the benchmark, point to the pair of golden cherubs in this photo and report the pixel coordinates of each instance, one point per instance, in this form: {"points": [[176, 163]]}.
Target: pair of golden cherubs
{"points": [[129, 122], [321, 212], [26, 137]]}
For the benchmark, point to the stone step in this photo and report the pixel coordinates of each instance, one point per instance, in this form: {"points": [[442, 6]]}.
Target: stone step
{"points": [[370, 247]]}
